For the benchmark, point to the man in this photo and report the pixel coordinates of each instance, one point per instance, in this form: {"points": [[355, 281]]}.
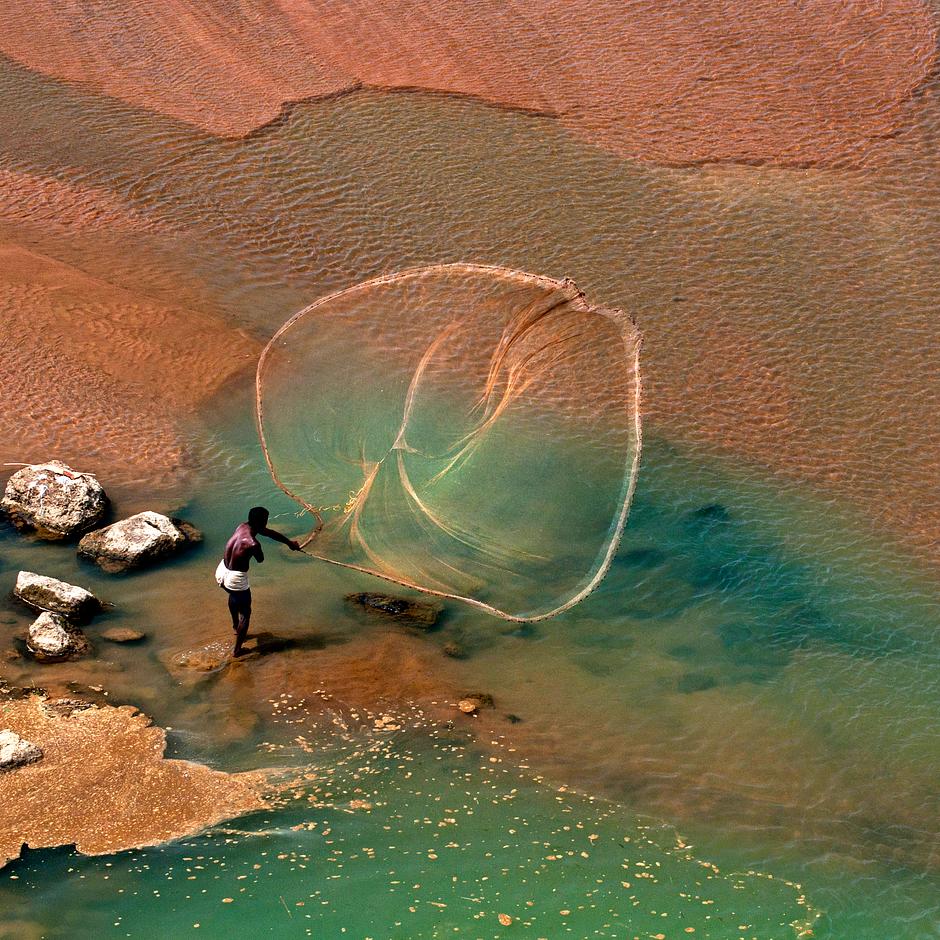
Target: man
{"points": [[232, 573]]}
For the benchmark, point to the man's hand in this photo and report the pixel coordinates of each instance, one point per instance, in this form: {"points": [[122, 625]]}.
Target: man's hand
{"points": [[294, 546]]}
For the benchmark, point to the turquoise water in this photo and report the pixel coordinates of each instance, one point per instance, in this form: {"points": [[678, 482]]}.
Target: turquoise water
{"points": [[747, 674], [445, 842]]}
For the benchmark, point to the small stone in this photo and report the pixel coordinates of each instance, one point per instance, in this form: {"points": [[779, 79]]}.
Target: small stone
{"points": [[122, 635], [504, 919], [454, 650], [52, 638], [60, 597], [136, 541], [54, 500], [467, 706], [16, 751], [483, 699], [190, 532]]}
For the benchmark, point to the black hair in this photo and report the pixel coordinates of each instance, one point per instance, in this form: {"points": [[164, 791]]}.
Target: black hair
{"points": [[258, 517]]}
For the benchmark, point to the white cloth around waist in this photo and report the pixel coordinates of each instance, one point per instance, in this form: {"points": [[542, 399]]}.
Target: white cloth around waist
{"points": [[231, 580]]}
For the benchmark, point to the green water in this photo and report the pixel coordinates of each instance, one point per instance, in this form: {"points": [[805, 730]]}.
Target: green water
{"points": [[755, 672], [445, 842]]}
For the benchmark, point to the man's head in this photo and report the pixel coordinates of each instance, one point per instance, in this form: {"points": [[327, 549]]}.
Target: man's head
{"points": [[258, 518]]}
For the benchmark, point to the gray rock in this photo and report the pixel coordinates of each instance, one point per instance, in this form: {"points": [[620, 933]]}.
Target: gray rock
{"points": [[54, 500], [16, 751], [58, 596], [136, 541], [52, 638]]}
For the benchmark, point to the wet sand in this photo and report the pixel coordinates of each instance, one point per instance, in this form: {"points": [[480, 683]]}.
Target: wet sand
{"points": [[58, 204], [101, 376], [104, 785], [780, 83]]}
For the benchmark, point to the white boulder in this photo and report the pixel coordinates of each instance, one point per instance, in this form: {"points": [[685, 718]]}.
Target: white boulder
{"points": [[136, 541], [54, 500], [16, 751], [60, 597], [52, 638]]}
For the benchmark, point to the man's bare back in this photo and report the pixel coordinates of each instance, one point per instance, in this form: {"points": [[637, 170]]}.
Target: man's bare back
{"points": [[241, 548]]}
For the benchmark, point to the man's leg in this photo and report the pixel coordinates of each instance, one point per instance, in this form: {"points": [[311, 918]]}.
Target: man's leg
{"points": [[233, 608], [244, 616]]}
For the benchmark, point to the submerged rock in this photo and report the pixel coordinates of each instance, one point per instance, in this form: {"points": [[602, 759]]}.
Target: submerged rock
{"points": [[213, 656], [60, 597], [705, 519], [137, 541], [454, 651], [54, 500], [16, 751], [122, 635], [417, 614], [52, 638], [202, 659]]}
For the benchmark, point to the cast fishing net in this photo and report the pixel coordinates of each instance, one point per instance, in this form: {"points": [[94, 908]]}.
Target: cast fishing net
{"points": [[469, 431]]}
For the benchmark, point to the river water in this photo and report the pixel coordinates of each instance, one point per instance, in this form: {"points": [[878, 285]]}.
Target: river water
{"points": [[734, 735]]}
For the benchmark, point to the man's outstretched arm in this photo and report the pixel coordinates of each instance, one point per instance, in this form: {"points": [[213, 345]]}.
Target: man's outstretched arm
{"points": [[272, 534]]}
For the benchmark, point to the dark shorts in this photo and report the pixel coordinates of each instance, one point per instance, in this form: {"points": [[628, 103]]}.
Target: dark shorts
{"points": [[239, 603]]}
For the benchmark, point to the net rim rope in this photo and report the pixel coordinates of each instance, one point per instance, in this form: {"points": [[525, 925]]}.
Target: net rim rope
{"points": [[577, 299]]}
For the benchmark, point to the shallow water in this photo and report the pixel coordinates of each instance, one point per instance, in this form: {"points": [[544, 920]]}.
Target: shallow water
{"points": [[758, 670], [441, 841], [735, 680], [788, 313]]}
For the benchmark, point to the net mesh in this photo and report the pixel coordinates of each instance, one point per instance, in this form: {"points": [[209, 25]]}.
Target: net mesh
{"points": [[468, 431]]}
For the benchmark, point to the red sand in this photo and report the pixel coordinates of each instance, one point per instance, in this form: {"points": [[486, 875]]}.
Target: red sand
{"points": [[784, 82], [97, 375]]}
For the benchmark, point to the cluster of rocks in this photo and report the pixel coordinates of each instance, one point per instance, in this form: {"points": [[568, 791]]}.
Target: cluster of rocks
{"points": [[53, 501]]}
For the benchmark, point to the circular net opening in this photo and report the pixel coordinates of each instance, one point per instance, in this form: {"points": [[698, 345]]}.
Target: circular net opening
{"points": [[468, 431]]}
